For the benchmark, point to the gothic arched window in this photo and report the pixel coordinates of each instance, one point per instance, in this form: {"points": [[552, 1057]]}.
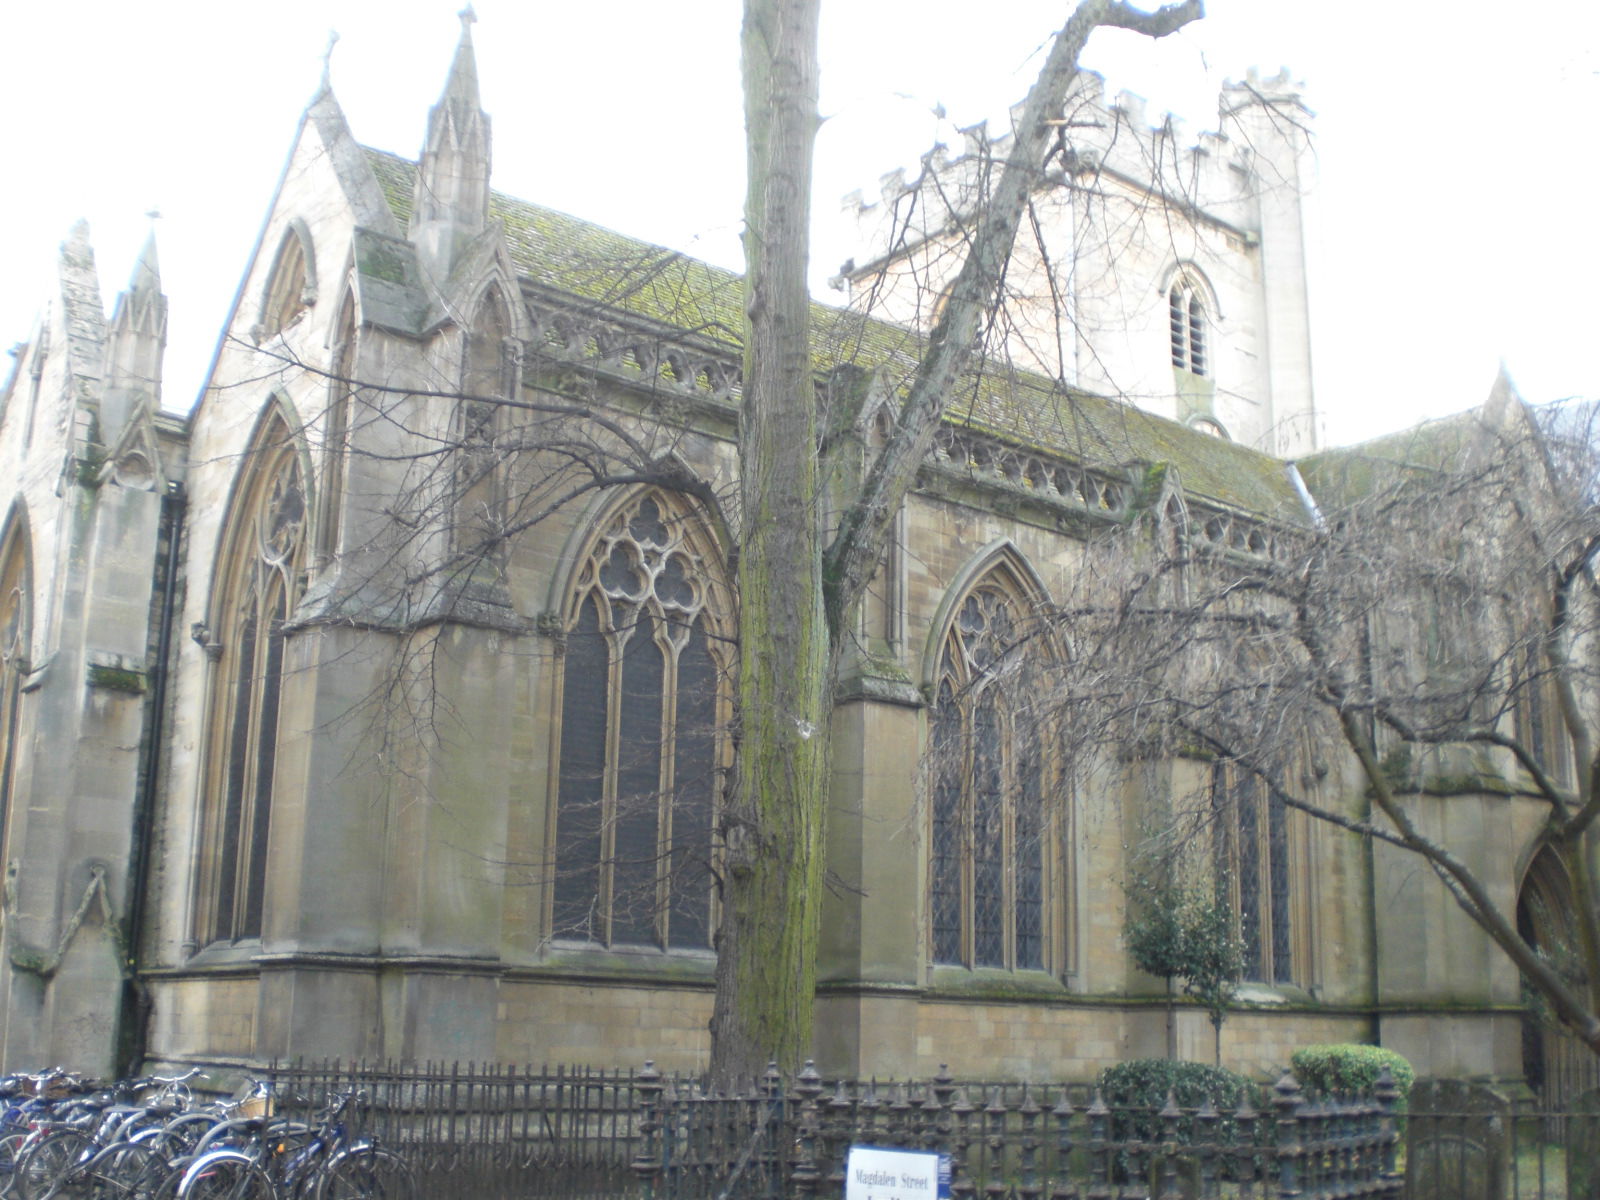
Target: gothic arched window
{"points": [[15, 631], [644, 698], [1186, 319], [992, 837], [259, 578], [1545, 905]]}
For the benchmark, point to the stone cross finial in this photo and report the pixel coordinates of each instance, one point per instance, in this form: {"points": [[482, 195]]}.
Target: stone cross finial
{"points": [[327, 55], [468, 17]]}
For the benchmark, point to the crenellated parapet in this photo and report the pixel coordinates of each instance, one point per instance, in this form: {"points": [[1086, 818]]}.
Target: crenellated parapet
{"points": [[1099, 138]]}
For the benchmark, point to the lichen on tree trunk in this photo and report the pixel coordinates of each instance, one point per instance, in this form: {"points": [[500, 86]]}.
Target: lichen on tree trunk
{"points": [[773, 826]]}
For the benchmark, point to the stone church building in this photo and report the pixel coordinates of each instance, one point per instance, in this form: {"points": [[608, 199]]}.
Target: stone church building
{"points": [[379, 706]]}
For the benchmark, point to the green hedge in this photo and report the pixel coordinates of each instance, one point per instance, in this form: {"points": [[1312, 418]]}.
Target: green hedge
{"points": [[1347, 1067], [1143, 1083]]}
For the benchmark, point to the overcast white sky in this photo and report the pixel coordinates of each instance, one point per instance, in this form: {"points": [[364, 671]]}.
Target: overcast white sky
{"points": [[1455, 218]]}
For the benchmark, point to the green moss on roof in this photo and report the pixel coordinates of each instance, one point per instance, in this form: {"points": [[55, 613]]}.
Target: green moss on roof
{"points": [[1346, 474], [609, 270]]}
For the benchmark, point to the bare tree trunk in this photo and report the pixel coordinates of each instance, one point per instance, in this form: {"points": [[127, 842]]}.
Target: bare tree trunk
{"points": [[772, 890], [794, 607]]}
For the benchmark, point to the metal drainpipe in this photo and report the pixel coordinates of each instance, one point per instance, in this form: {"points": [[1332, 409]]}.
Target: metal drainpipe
{"points": [[1370, 856], [134, 1009]]}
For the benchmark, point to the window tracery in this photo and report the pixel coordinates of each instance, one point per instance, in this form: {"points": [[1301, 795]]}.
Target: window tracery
{"points": [[993, 857], [260, 577], [641, 750]]}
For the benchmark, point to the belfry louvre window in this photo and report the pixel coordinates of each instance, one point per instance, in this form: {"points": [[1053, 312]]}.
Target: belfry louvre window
{"points": [[991, 862], [259, 581], [1186, 317], [643, 706], [1254, 870]]}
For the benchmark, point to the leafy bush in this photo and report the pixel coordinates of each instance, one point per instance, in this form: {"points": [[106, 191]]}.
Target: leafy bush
{"points": [[1348, 1067], [1136, 1092], [1143, 1083]]}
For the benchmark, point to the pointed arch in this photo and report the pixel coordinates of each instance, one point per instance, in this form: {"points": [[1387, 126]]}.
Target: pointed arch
{"points": [[1192, 314], [258, 581], [1000, 557], [601, 505], [997, 868], [640, 745], [16, 642], [292, 283], [1553, 1062]]}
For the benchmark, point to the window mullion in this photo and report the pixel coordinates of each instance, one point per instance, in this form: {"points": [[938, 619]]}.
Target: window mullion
{"points": [[969, 820], [616, 639], [1010, 858], [667, 731]]}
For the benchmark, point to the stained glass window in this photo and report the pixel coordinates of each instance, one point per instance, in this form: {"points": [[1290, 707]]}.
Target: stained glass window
{"points": [[641, 747], [990, 834], [1253, 870], [258, 584]]}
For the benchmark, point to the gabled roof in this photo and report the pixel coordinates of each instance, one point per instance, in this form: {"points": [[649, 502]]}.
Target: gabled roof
{"points": [[601, 269], [1445, 445]]}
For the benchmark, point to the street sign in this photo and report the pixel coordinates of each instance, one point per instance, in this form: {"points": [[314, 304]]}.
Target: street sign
{"points": [[878, 1173]]}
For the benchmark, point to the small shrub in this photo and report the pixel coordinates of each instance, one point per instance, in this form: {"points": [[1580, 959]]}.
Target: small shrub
{"points": [[1145, 1082], [1348, 1067], [1136, 1092]]}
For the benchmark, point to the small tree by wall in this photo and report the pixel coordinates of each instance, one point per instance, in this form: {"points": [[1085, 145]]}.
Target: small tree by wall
{"points": [[1179, 930]]}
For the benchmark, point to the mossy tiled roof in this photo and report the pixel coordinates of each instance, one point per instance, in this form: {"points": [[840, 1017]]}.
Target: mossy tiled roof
{"points": [[602, 268], [1347, 473]]}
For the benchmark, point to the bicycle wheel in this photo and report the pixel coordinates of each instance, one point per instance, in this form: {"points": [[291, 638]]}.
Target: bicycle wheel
{"points": [[126, 1171], [10, 1146], [169, 1175], [43, 1167], [367, 1173], [227, 1179]]}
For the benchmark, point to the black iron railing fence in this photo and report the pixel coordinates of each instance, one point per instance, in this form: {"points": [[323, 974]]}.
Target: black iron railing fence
{"points": [[488, 1131], [792, 1138], [492, 1131]]}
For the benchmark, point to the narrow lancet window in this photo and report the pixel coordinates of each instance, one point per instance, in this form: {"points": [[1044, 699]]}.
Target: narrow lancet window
{"points": [[260, 575]]}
